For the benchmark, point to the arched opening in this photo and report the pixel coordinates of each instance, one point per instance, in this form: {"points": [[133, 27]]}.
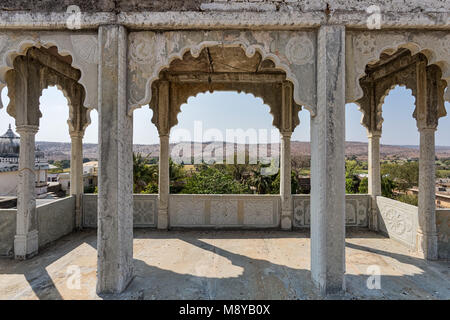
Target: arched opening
{"points": [[145, 152], [46, 104], [223, 140], [223, 69], [301, 155], [402, 103]]}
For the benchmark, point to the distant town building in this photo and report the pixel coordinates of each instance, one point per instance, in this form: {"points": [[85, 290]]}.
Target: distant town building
{"points": [[90, 176], [9, 166]]}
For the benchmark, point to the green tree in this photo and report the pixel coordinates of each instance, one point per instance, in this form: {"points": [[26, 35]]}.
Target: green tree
{"points": [[143, 174], [275, 188], [405, 175], [212, 181], [364, 186], [387, 187], [177, 176], [262, 183]]}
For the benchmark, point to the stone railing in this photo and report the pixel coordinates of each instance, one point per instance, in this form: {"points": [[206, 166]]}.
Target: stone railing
{"points": [[443, 230], [55, 219], [357, 209], [144, 214], [224, 211], [398, 220]]}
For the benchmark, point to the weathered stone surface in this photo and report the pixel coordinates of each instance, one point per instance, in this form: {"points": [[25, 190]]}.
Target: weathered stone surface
{"points": [[115, 189], [398, 220], [208, 265], [221, 5], [7, 231], [82, 48], [356, 214], [55, 220], [328, 164], [291, 52], [427, 238], [443, 231], [145, 208], [224, 211]]}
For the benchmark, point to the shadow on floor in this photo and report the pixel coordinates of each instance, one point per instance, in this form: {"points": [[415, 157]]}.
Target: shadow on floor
{"points": [[252, 278]]}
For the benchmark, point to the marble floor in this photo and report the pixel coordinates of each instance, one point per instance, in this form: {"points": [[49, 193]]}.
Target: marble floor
{"points": [[224, 265]]}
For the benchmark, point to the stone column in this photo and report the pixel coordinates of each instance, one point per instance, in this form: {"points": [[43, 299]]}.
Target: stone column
{"points": [[115, 181], [328, 164], [427, 240], [285, 182], [164, 183], [26, 239], [76, 174], [374, 176], [164, 174]]}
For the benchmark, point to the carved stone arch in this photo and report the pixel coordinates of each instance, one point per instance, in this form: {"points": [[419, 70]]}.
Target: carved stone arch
{"points": [[270, 93], [292, 52], [36, 64], [365, 47], [81, 47]]}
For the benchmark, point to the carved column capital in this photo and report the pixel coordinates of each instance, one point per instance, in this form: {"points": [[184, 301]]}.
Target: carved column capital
{"points": [[373, 134], [27, 129], [76, 134]]}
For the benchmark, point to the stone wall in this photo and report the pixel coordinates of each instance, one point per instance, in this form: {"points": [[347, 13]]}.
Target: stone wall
{"points": [[357, 208], [55, 219], [144, 213], [203, 5], [7, 231], [224, 211], [443, 230], [398, 221]]}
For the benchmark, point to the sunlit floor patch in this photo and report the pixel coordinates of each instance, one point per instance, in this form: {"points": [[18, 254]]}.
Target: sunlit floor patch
{"points": [[224, 265]]}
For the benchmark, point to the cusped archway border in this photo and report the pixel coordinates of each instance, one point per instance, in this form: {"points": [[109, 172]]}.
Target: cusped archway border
{"points": [[365, 47], [292, 52], [82, 47]]}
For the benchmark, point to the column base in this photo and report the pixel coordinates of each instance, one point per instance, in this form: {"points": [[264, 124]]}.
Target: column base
{"points": [[427, 246], [108, 287], [163, 219], [328, 289], [286, 221], [373, 219], [26, 245]]}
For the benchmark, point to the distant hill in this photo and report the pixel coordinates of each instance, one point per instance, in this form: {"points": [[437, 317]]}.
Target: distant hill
{"points": [[61, 151]]}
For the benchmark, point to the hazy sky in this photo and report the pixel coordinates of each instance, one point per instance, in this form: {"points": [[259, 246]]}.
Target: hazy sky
{"points": [[229, 110]]}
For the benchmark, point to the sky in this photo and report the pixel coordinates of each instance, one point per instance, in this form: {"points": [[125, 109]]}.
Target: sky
{"points": [[231, 110]]}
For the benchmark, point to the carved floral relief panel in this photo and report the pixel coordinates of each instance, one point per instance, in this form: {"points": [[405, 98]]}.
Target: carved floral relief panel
{"points": [[293, 52], [357, 209], [398, 220]]}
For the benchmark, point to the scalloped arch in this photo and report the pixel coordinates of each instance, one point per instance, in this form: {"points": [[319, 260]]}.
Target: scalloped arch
{"points": [[250, 51], [20, 49], [195, 95], [415, 47]]}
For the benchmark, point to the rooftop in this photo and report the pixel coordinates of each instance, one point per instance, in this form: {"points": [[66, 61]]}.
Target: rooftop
{"points": [[225, 265]]}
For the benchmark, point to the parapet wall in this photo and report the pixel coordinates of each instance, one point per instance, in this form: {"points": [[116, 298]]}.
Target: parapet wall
{"points": [[443, 230], [226, 211], [55, 220]]}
